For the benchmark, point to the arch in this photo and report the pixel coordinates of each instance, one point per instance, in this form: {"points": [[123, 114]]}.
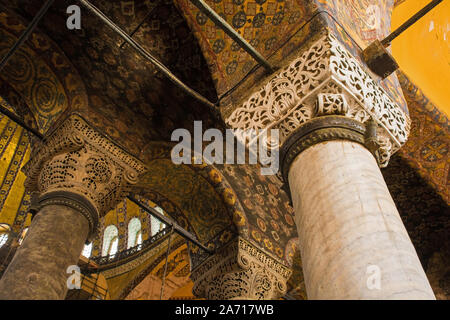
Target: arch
{"points": [[13, 101], [198, 197], [134, 231]]}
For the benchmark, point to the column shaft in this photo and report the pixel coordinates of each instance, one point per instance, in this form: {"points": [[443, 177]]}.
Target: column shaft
{"points": [[53, 242], [349, 227]]}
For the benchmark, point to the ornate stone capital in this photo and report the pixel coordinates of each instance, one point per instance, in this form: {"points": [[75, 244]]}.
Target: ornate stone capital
{"points": [[240, 271], [324, 79], [326, 128], [77, 166]]}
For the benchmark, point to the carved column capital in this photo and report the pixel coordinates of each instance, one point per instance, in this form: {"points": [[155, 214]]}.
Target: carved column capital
{"points": [[240, 271], [324, 79], [78, 167], [327, 128]]}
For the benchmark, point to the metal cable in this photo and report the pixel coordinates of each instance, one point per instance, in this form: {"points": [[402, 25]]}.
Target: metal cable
{"points": [[177, 228], [221, 23], [144, 53], [386, 41]]}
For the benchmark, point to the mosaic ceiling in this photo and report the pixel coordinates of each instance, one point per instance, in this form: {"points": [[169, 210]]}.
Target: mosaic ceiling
{"points": [[277, 29], [120, 84]]}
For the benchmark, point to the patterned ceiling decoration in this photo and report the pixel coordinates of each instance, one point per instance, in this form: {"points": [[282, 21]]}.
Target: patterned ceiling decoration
{"points": [[67, 78], [198, 197], [270, 216], [30, 72], [20, 105], [277, 29], [266, 25], [121, 217]]}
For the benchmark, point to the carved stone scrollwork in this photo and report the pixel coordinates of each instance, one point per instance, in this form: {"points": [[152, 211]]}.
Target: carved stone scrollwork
{"points": [[324, 80], [240, 271], [78, 167]]}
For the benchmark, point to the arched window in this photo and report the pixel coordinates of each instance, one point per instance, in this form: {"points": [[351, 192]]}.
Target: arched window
{"points": [[110, 241], [22, 236], [134, 231], [4, 233], [114, 246], [156, 225], [87, 250]]}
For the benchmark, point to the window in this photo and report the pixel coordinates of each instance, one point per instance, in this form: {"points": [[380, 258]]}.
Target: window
{"points": [[4, 233], [114, 246], [3, 239], [139, 238], [87, 250], [110, 241], [134, 232]]}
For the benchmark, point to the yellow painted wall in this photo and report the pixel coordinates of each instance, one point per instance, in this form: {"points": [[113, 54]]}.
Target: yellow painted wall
{"points": [[423, 51], [14, 153]]}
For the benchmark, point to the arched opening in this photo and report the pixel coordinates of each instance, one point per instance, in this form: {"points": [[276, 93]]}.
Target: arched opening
{"points": [[110, 241], [134, 233], [87, 250]]}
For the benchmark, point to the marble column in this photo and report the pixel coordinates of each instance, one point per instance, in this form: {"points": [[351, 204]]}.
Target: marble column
{"points": [[352, 240], [77, 175], [53, 243]]}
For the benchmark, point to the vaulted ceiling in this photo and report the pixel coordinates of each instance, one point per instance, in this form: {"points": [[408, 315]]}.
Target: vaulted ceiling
{"points": [[91, 71], [119, 83]]}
